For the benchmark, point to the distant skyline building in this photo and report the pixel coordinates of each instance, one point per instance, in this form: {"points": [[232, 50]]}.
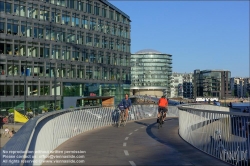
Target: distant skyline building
{"points": [[53, 49], [212, 83], [151, 73], [240, 87], [181, 85]]}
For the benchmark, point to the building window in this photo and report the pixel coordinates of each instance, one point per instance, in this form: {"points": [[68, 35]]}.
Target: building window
{"points": [[70, 4], [79, 5], [48, 33], [100, 57], [88, 6], [56, 15], [92, 56], [80, 36], [108, 59], [65, 18], [89, 72], [40, 31], [85, 22], [66, 51], [13, 27], [8, 8], [19, 9], [111, 43], [96, 9], [71, 38], [111, 14], [100, 26], [2, 6], [44, 14], [117, 45], [96, 40], [107, 29], [32, 51], [75, 20], [89, 39], [56, 52], [104, 11], [117, 16], [85, 55], [112, 29], [92, 24], [61, 2], [103, 42], [34, 11]]}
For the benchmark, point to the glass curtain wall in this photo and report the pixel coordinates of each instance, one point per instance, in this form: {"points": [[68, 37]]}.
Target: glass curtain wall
{"points": [[150, 70]]}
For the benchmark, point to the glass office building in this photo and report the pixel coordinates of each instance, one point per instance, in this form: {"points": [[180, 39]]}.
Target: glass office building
{"points": [[212, 83], [55, 48], [151, 73]]}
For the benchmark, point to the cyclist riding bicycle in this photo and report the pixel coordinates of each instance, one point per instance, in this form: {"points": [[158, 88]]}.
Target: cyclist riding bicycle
{"points": [[162, 105], [126, 102]]}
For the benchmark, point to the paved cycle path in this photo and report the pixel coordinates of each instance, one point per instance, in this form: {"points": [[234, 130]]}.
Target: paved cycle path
{"points": [[138, 143]]}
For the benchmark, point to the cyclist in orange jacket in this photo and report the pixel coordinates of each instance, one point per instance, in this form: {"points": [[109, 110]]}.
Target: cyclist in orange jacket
{"points": [[162, 105]]}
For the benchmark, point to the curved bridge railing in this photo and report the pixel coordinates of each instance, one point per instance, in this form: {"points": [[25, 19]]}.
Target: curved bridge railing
{"points": [[32, 144], [218, 131]]}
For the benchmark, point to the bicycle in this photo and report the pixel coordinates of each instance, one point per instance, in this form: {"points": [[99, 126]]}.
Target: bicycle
{"points": [[161, 119], [121, 120]]}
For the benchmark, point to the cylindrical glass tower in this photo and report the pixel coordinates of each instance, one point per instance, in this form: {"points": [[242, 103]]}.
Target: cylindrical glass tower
{"points": [[151, 73]]}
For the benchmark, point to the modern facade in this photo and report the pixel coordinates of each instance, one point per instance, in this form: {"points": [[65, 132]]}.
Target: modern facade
{"points": [[212, 83], [151, 73], [240, 87], [176, 85], [55, 48], [246, 87], [181, 85]]}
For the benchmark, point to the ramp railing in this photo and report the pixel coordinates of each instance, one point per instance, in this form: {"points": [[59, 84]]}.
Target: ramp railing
{"points": [[32, 144], [217, 131]]}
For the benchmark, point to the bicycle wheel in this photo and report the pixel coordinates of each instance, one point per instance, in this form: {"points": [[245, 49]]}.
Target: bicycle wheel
{"points": [[160, 120], [159, 123], [125, 121], [121, 122], [120, 119], [162, 117]]}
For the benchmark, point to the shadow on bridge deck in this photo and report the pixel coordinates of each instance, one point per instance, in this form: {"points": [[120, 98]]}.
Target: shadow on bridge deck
{"points": [[138, 143]]}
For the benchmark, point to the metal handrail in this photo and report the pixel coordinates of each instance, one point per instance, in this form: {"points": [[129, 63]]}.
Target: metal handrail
{"points": [[187, 107], [223, 134], [56, 127]]}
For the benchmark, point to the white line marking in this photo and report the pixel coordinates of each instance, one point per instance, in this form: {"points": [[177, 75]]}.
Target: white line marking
{"points": [[126, 138], [142, 127], [132, 163], [124, 144], [136, 130], [130, 133], [126, 152]]}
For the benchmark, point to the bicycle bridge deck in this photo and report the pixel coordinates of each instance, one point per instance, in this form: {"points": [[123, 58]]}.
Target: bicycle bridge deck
{"points": [[138, 143]]}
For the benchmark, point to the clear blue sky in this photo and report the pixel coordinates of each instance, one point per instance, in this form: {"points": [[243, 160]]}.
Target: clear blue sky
{"points": [[199, 34]]}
